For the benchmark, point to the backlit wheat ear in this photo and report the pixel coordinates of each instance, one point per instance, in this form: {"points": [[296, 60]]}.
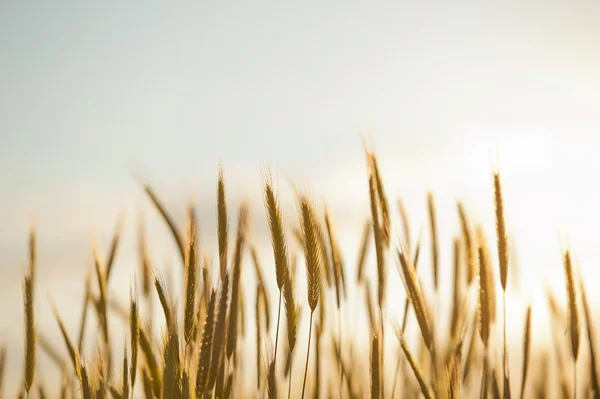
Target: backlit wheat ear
{"points": [[278, 241], [311, 251], [170, 223], [232, 332], [375, 379], [485, 318], [171, 387], [222, 224], [573, 314], [327, 263], [29, 333], [501, 231], [591, 343], [191, 275], [378, 235], [456, 302], [219, 333], [434, 239], [383, 204], [291, 309], [163, 297], [73, 353], [470, 251], [313, 264], [526, 349], [204, 361], [364, 249], [414, 293]]}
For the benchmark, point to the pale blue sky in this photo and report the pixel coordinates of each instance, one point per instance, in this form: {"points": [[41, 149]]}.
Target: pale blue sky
{"points": [[92, 92]]}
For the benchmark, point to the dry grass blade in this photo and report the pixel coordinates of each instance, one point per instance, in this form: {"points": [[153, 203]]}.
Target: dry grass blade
{"points": [[134, 332], [143, 256], [470, 255], [151, 363], [191, 276], [385, 214], [258, 335], [375, 378], [336, 255], [364, 249], [416, 368], [434, 239], [526, 349], [407, 300], [86, 389], [102, 302], [204, 361], [595, 386], [405, 223], [84, 312], [147, 384], [170, 223], [47, 347], [222, 223], [261, 285], [73, 353], [235, 287], [29, 333], [272, 381], [125, 378], [414, 293], [114, 245]]}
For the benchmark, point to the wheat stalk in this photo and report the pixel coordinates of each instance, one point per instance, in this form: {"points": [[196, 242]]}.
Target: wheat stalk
{"points": [[526, 349]]}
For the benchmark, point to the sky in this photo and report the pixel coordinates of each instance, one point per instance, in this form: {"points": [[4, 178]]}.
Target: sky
{"points": [[96, 97]]}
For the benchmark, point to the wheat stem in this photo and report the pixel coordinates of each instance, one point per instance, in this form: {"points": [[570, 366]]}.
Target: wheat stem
{"points": [[307, 353]]}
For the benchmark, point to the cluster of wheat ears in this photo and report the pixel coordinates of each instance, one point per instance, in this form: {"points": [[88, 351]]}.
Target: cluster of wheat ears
{"points": [[199, 357]]}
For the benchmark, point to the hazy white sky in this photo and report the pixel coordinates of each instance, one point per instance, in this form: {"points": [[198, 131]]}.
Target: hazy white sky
{"points": [[90, 94]]}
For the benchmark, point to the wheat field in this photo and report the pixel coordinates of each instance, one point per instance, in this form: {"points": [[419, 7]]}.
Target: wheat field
{"points": [[440, 346]]}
